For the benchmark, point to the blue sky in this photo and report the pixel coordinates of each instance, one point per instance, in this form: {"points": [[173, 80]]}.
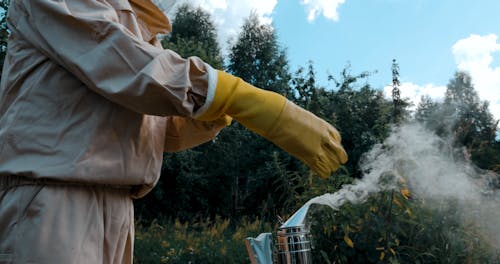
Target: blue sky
{"points": [[370, 33], [430, 39]]}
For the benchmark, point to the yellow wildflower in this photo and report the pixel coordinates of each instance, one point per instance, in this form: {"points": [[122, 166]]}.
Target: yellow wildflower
{"points": [[406, 193], [165, 244], [408, 211], [348, 241]]}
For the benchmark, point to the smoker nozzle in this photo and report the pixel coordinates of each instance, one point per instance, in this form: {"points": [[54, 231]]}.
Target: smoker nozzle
{"points": [[298, 218]]}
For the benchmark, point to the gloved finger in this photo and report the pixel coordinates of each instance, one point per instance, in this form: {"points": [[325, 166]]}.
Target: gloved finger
{"points": [[337, 148], [342, 154], [225, 120], [216, 124], [334, 133], [335, 152], [321, 167]]}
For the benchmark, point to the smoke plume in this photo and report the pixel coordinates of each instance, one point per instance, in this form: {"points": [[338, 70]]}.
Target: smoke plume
{"points": [[435, 172]]}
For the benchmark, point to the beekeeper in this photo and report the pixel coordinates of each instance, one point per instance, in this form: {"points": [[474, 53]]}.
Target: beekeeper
{"points": [[89, 101]]}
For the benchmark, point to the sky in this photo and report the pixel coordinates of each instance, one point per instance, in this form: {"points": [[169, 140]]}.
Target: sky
{"points": [[430, 39]]}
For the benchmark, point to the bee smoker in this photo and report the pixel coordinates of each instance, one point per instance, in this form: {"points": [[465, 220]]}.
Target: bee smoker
{"points": [[293, 243]]}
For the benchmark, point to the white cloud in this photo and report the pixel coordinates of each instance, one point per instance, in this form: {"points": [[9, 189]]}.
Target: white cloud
{"points": [[474, 55], [327, 8], [228, 15], [414, 92]]}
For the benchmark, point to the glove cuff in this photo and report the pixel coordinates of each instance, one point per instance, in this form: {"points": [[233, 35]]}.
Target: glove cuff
{"points": [[255, 108]]}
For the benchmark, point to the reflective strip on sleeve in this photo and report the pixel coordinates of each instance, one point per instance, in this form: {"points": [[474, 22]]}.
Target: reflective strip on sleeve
{"points": [[212, 84]]}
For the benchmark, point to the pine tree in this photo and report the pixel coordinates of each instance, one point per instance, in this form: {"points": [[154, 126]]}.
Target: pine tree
{"points": [[399, 106], [396, 93], [469, 121], [472, 118], [257, 57], [194, 34]]}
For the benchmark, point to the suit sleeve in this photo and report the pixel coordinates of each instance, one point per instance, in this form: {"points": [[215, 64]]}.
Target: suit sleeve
{"points": [[85, 38]]}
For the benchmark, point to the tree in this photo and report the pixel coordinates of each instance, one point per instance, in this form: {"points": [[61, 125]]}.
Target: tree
{"points": [[396, 94], [473, 121], [361, 113], [257, 57], [194, 34], [306, 93], [473, 125], [399, 106], [430, 114], [465, 120]]}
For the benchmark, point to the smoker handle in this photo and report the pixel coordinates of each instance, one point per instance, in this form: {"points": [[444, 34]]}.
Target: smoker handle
{"points": [[260, 248], [251, 253]]}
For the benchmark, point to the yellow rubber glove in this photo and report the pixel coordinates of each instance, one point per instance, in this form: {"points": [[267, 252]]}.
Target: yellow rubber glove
{"points": [[295, 130]]}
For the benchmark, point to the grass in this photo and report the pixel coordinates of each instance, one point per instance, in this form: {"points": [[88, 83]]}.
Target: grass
{"points": [[206, 241]]}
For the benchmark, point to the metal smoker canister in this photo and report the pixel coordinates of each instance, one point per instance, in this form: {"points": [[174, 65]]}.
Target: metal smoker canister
{"points": [[294, 239], [293, 245]]}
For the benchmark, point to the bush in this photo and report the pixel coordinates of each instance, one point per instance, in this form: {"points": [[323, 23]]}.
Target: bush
{"points": [[390, 228], [208, 241]]}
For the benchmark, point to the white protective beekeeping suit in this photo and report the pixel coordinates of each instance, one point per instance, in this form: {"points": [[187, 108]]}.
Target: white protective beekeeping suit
{"points": [[86, 111]]}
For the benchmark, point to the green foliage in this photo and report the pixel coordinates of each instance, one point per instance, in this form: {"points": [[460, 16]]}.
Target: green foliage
{"points": [[257, 58], [400, 105], [206, 241], [193, 34], [473, 121], [427, 111], [361, 114], [389, 228], [465, 119], [182, 176], [306, 93]]}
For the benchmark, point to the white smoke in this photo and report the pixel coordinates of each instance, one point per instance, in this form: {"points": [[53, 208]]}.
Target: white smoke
{"points": [[434, 174]]}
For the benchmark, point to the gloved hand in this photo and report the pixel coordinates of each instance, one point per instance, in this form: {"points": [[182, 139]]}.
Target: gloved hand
{"points": [[295, 130], [184, 133]]}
